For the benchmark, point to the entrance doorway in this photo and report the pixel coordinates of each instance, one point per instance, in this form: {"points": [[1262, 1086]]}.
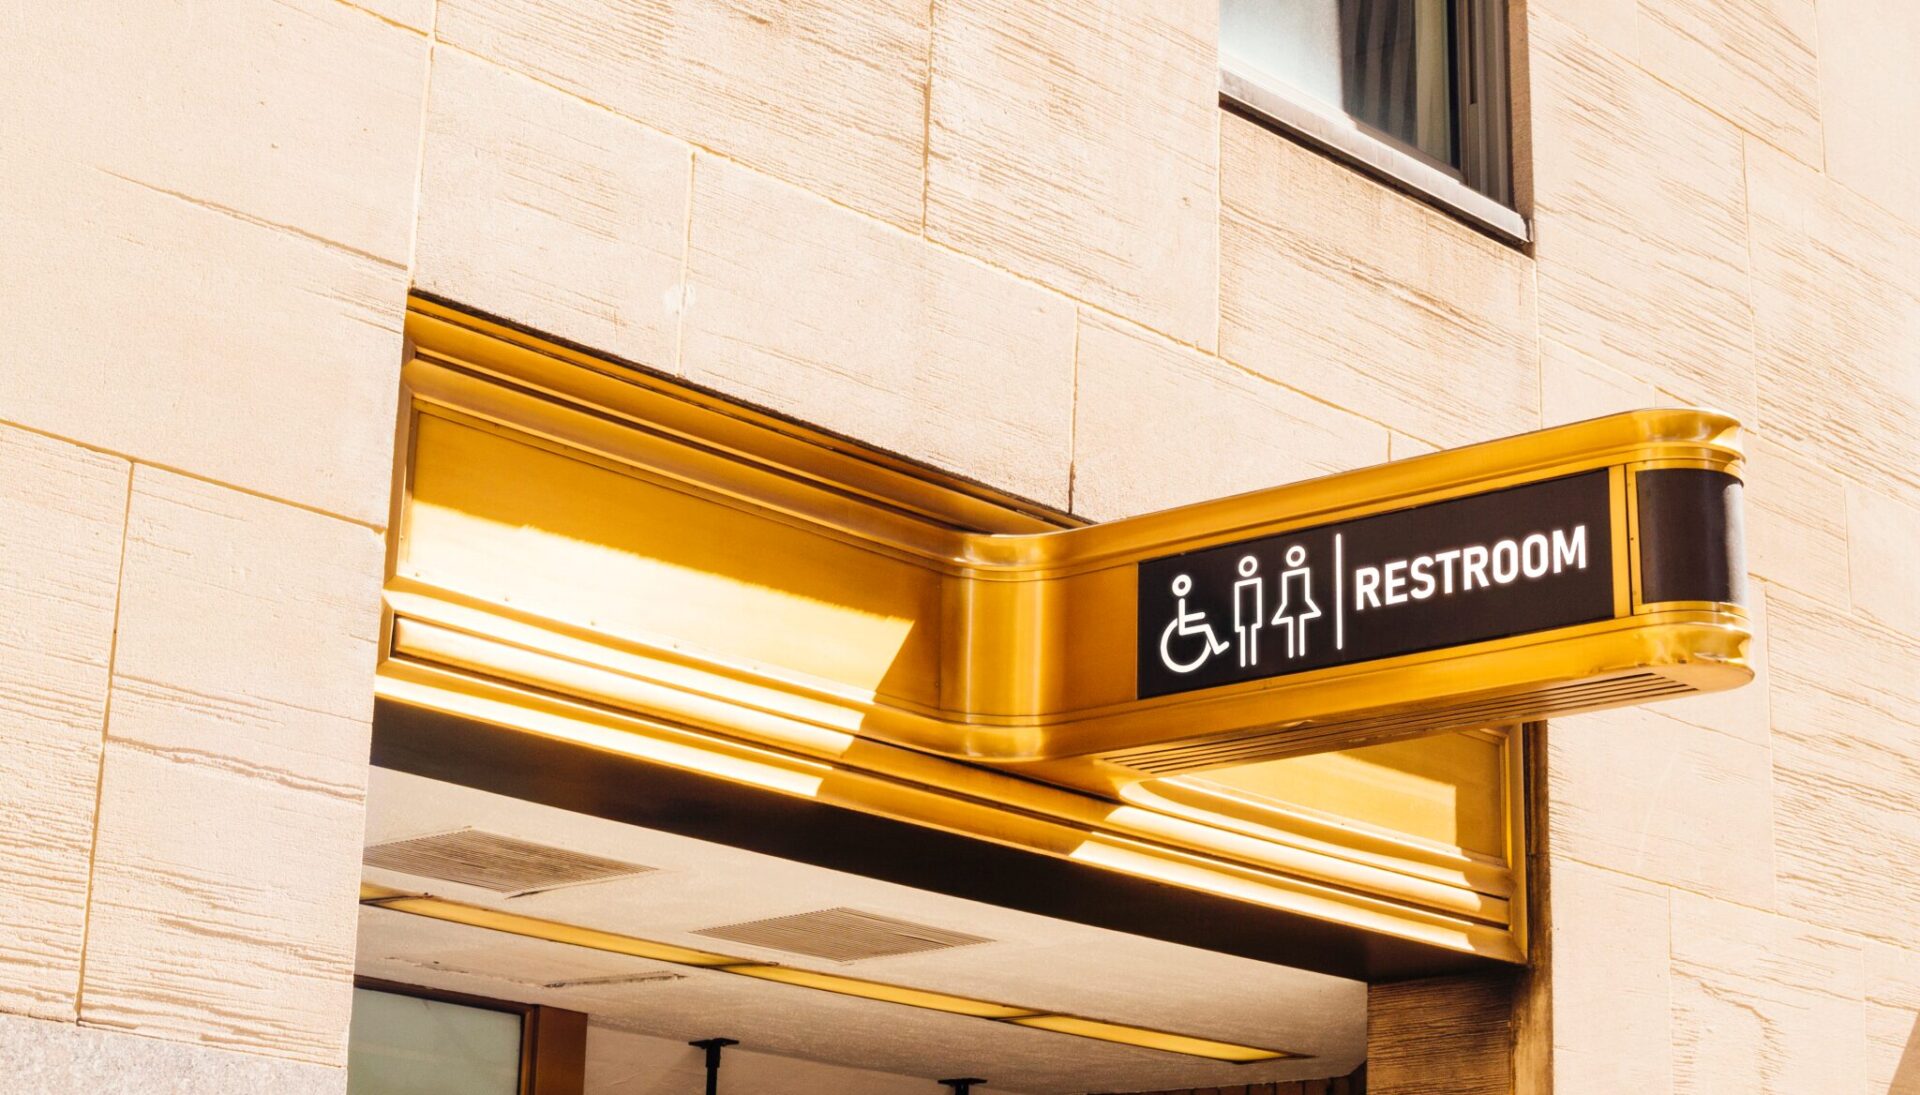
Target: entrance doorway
{"points": [[828, 981]]}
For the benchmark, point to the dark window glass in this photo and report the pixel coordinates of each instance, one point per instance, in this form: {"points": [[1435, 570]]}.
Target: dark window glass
{"points": [[1424, 76], [1396, 71]]}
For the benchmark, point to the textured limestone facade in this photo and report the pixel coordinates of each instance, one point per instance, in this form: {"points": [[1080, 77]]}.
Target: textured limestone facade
{"points": [[1024, 246]]}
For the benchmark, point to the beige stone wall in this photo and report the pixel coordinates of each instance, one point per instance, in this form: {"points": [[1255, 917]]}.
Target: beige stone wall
{"points": [[1022, 245], [207, 219], [1728, 209]]}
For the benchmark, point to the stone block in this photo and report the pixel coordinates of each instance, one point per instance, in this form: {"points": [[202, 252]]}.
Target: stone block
{"points": [[1610, 23], [1751, 63], [247, 632], [1867, 106], [1893, 1019], [303, 114], [814, 311], [233, 784], [1402, 447], [1796, 522], [62, 515], [1610, 982], [1836, 306], [223, 906], [1575, 387], [539, 207], [1158, 425], [1078, 146], [822, 93], [1840, 676], [1846, 722], [1644, 794], [1882, 535], [412, 14], [1763, 1004], [62, 1058], [1339, 287], [1639, 223], [154, 326]]}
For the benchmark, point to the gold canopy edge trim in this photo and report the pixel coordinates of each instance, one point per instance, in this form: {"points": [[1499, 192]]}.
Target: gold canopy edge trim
{"points": [[1031, 826], [1066, 545]]}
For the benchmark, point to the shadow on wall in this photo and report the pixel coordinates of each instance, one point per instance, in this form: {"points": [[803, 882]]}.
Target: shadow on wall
{"points": [[1906, 1075]]}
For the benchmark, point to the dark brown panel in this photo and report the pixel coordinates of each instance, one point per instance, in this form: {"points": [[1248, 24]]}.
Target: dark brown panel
{"points": [[557, 1052], [1692, 540], [1442, 1036]]}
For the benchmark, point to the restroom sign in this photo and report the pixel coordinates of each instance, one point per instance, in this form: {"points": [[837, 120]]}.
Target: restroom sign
{"points": [[1488, 566]]}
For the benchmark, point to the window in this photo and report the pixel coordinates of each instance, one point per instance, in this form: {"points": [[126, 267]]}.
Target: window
{"points": [[409, 1040], [1414, 91], [419, 1046]]}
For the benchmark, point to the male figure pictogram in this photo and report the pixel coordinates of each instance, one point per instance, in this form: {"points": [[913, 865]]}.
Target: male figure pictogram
{"points": [[1249, 610]]}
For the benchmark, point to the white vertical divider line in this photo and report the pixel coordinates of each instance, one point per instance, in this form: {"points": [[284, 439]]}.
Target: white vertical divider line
{"points": [[1339, 595]]}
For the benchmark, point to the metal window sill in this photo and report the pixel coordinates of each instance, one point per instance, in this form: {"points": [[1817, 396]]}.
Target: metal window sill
{"points": [[1248, 90]]}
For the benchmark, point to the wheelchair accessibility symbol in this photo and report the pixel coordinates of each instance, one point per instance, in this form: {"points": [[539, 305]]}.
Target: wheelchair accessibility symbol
{"points": [[1188, 624], [1190, 641]]}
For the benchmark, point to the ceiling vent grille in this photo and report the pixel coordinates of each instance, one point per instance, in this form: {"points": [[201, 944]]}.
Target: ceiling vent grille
{"points": [[842, 935], [1170, 760], [503, 864]]}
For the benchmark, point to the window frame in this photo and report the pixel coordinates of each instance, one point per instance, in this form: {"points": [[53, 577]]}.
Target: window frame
{"points": [[1482, 121], [553, 1041]]}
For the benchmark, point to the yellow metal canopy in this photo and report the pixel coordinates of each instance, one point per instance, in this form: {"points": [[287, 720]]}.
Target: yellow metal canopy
{"points": [[589, 552]]}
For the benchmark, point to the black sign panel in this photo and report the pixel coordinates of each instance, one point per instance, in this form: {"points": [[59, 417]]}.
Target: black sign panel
{"points": [[1508, 562]]}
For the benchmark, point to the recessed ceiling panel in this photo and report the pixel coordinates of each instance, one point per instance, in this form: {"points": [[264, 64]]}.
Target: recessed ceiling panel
{"points": [[503, 864], [842, 935]]}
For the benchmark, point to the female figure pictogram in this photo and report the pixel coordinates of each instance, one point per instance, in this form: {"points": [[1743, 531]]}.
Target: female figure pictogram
{"points": [[1296, 607]]}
